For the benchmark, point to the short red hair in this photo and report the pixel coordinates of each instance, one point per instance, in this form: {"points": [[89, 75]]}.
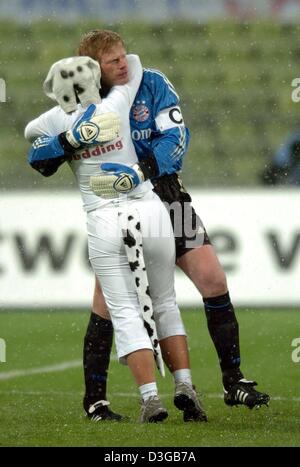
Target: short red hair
{"points": [[94, 43]]}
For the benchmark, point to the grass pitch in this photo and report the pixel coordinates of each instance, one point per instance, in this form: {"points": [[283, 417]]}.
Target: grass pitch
{"points": [[41, 386]]}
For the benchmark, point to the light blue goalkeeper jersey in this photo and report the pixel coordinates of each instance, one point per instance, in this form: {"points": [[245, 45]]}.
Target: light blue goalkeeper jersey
{"points": [[157, 126]]}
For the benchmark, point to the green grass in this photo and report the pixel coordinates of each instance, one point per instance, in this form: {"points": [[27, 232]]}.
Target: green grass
{"points": [[45, 409]]}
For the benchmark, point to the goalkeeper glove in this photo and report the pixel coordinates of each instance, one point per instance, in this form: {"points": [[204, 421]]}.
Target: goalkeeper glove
{"points": [[90, 129], [122, 178]]}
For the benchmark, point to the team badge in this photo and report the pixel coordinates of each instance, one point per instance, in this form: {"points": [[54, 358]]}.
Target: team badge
{"points": [[140, 112]]}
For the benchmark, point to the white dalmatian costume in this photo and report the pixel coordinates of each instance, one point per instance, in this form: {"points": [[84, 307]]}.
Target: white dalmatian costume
{"points": [[133, 241], [105, 225]]}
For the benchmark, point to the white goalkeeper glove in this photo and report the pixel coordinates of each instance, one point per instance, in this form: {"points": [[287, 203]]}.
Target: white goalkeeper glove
{"points": [[90, 129], [121, 179]]}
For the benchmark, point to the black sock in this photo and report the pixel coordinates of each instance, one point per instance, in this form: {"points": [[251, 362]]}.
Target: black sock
{"points": [[96, 355], [224, 331]]}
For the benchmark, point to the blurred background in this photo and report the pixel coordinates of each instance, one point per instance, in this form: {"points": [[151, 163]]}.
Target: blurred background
{"points": [[232, 63]]}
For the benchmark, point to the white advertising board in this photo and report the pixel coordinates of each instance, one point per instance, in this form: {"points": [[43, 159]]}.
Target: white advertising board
{"points": [[256, 233]]}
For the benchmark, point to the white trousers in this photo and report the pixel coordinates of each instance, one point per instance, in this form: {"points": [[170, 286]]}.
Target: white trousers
{"points": [[110, 264]]}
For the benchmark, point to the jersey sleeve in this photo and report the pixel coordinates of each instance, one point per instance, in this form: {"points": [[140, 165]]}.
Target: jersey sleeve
{"points": [[40, 126], [51, 123], [47, 152], [171, 137], [163, 91], [169, 148], [135, 77]]}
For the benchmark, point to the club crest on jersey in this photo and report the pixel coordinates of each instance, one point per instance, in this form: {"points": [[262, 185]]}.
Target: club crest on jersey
{"points": [[140, 112], [89, 131]]}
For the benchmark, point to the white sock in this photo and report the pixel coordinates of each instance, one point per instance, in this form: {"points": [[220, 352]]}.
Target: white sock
{"points": [[148, 390], [183, 376]]}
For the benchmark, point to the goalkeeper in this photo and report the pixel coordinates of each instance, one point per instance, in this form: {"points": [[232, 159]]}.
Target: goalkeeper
{"points": [[161, 140]]}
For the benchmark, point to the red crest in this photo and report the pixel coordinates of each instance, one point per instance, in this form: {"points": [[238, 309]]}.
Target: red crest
{"points": [[140, 113]]}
